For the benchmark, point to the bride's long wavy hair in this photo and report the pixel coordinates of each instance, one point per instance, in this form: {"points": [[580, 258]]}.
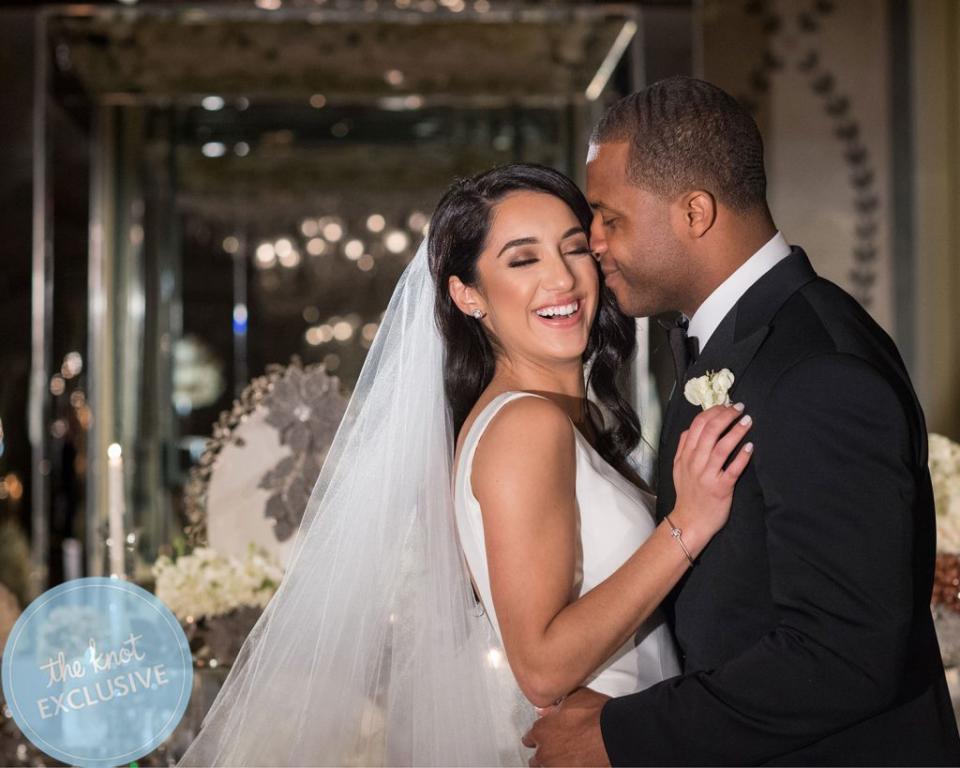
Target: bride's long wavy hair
{"points": [[458, 232]]}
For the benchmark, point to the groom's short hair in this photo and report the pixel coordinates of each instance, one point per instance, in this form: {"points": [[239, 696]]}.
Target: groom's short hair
{"points": [[688, 134]]}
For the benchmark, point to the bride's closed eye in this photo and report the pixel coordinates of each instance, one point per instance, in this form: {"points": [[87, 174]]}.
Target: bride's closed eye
{"points": [[523, 259], [582, 251], [578, 247]]}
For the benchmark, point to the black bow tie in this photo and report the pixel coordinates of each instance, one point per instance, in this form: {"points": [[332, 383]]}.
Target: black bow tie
{"points": [[685, 349]]}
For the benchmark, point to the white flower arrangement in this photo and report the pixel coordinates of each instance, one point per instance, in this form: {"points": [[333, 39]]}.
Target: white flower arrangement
{"points": [[206, 583], [945, 473], [710, 389]]}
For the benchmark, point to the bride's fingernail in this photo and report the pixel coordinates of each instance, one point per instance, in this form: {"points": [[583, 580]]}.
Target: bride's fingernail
{"points": [[739, 407], [746, 420], [748, 447]]}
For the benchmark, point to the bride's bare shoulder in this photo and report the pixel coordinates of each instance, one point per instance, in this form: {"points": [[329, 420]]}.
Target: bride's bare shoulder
{"points": [[529, 434]]}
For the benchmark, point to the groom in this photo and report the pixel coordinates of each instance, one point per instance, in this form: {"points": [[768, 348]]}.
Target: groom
{"points": [[804, 629]]}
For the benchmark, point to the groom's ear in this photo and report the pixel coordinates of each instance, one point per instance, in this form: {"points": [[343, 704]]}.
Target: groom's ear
{"points": [[699, 212]]}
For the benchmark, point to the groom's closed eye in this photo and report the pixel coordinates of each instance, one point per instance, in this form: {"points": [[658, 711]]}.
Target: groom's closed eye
{"points": [[606, 214]]}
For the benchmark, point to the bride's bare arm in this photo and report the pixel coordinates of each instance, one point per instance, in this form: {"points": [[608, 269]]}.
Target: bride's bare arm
{"points": [[524, 476]]}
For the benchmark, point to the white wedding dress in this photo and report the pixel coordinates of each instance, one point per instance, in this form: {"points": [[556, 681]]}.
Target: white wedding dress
{"points": [[616, 517], [372, 651]]}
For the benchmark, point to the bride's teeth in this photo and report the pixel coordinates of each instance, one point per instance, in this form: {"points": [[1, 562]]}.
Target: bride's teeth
{"points": [[564, 311]]}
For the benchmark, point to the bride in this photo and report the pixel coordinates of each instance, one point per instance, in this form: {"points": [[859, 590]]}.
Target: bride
{"points": [[477, 544]]}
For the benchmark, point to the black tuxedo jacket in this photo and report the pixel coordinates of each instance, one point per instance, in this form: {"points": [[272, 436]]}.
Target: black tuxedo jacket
{"points": [[804, 630]]}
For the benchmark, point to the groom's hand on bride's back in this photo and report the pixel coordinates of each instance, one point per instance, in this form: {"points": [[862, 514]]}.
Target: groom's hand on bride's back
{"points": [[568, 733], [706, 468]]}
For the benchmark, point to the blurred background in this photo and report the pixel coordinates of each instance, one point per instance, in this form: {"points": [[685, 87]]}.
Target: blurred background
{"points": [[204, 208]]}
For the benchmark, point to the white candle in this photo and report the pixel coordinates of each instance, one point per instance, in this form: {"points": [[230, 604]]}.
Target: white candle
{"points": [[115, 499], [72, 557]]}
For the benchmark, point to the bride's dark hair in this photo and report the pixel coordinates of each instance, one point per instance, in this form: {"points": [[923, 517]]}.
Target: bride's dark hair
{"points": [[458, 232]]}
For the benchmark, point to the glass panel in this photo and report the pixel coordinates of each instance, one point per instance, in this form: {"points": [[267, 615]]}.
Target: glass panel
{"points": [[257, 182]]}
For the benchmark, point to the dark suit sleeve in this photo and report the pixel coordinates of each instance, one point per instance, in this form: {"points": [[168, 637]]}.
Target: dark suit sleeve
{"points": [[835, 463]]}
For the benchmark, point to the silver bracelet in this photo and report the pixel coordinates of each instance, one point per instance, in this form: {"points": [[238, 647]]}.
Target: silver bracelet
{"points": [[677, 533]]}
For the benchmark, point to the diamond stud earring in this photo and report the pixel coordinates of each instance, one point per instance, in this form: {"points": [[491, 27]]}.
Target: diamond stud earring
{"points": [[478, 314]]}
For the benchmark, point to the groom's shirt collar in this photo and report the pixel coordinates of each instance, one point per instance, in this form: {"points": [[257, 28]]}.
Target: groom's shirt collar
{"points": [[716, 306]]}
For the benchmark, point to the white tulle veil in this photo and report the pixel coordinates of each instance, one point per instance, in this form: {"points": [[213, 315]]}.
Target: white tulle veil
{"points": [[373, 652]]}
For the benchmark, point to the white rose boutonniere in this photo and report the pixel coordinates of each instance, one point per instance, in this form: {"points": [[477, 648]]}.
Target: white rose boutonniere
{"points": [[710, 389]]}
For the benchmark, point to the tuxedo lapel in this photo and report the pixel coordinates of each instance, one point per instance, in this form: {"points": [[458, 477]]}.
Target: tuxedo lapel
{"points": [[733, 345], [667, 450], [680, 411], [741, 333], [732, 355], [763, 300]]}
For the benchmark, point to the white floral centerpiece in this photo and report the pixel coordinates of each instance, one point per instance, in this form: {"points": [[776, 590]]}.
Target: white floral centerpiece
{"points": [[206, 583], [217, 597], [945, 473]]}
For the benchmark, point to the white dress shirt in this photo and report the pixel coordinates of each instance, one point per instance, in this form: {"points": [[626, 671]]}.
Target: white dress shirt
{"points": [[716, 306]]}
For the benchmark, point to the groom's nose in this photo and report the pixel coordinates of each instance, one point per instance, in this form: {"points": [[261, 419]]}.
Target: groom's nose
{"points": [[598, 243]]}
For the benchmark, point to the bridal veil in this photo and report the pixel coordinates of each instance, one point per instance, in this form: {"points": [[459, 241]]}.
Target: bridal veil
{"points": [[372, 651]]}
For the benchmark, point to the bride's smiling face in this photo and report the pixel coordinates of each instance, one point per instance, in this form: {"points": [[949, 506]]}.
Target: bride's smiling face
{"points": [[537, 283]]}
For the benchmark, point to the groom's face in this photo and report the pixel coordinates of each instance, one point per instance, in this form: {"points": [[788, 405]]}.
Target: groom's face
{"points": [[633, 236]]}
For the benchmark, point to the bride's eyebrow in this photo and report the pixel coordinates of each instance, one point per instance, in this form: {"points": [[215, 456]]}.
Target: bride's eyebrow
{"points": [[515, 243], [534, 241]]}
